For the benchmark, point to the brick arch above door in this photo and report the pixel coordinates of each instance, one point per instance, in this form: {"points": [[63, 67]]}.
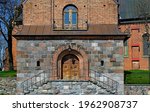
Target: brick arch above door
{"points": [[67, 49]]}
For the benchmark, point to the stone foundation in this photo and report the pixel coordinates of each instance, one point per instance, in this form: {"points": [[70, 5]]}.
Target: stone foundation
{"points": [[8, 86], [137, 89], [70, 88]]}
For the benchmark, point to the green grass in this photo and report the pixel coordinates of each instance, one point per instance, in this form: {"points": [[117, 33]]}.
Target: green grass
{"points": [[131, 76], [8, 73], [137, 77]]}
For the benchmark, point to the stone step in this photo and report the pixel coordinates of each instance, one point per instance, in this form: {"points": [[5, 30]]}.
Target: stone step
{"points": [[31, 89], [108, 90], [70, 88], [35, 87], [113, 92], [26, 92]]}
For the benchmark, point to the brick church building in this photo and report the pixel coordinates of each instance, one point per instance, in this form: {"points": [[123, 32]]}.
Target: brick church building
{"points": [[130, 21], [133, 21], [70, 47]]}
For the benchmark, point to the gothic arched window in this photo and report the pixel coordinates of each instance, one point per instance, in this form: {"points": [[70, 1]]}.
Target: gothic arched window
{"points": [[126, 48], [145, 48], [70, 17]]}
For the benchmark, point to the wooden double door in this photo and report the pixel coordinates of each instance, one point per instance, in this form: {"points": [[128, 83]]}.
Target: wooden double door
{"points": [[70, 67]]}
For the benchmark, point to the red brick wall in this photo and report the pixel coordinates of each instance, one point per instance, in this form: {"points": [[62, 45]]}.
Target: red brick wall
{"points": [[6, 61], [42, 12], [135, 40], [14, 51], [37, 12]]}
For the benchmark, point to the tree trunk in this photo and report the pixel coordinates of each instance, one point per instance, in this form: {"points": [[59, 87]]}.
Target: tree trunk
{"points": [[11, 67]]}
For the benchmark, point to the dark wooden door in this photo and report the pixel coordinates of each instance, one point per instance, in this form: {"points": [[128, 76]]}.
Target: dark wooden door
{"points": [[70, 67]]}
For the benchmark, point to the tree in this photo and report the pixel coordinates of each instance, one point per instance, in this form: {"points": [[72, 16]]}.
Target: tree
{"points": [[9, 11], [2, 50], [143, 8], [1, 61]]}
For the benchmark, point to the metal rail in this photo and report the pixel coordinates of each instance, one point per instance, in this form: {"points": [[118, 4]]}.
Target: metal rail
{"points": [[95, 77], [104, 82], [34, 82]]}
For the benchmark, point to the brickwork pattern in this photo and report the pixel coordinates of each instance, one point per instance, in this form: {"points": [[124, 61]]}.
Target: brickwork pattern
{"points": [[37, 12], [41, 12], [94, 52], [136, 39]]}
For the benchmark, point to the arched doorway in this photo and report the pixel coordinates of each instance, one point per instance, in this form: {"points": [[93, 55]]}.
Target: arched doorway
{"points": [[70, 67], [70, 63]]}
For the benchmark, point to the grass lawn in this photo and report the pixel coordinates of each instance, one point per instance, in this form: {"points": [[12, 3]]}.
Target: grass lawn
{"points": [[131, 76], [8, 73], [137, 77]]}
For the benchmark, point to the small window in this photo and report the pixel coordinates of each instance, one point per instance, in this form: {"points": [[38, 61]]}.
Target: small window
{"points": [[70, 16], [38, 63], [102, 63], [126, 48]]}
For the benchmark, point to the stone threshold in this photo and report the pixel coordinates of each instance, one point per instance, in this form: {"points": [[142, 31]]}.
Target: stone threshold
{"points": [[69, 80]]}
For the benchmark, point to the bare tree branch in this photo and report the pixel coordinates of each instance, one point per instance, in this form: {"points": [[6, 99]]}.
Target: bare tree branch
{"points": [[7, 16], [143, 8], [3, 35], [3, 20]]}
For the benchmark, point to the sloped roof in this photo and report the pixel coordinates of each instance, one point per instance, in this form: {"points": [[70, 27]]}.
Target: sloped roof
{"points": [[46, 30], [101, 29]]}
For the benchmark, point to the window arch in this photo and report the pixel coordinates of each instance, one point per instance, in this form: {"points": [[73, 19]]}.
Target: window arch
{"points": [[126, 48], [70, 15], [145, 48]]}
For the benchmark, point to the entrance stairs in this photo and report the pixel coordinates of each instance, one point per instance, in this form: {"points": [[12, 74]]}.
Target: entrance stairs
{"points": [[97, 84]]}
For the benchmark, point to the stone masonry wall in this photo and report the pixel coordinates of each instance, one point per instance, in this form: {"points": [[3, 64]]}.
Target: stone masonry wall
{"points": [[137, 90], [8, 86], [69, 88], [42, 12], [108, 51]]}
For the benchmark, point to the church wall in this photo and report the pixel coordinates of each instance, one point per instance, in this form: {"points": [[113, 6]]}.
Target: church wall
{"points": [[136, 40], [109, 51], [104, 56], [37, 12], [42, 12]]}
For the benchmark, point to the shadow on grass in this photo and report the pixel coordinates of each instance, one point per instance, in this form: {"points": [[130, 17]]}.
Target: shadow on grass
{"points": [[125, 75]]}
